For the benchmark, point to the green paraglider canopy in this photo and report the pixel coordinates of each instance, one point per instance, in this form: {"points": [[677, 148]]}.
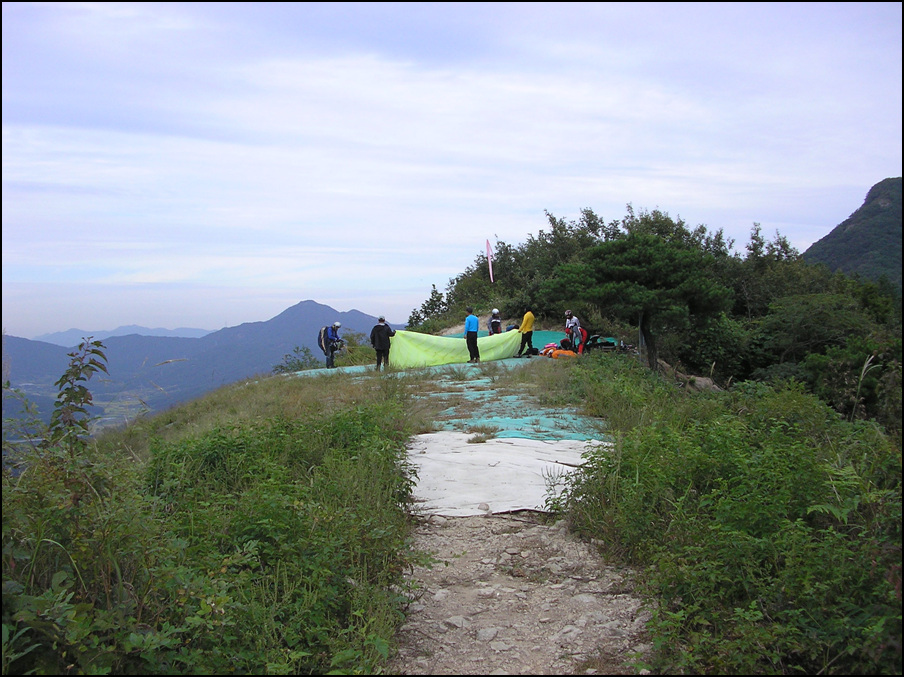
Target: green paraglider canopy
{"points": [[411, 349]]}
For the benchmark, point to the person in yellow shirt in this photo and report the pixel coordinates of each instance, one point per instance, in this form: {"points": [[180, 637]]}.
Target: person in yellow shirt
{"points": [[527, 333]]}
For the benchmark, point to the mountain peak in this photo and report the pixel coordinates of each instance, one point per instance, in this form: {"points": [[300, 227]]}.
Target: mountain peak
{"points": [[868, 242]]}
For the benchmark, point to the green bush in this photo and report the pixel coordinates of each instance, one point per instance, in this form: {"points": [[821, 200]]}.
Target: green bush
{"points": [[769, 528], [860, 380], [269, 546], [300, 359]]}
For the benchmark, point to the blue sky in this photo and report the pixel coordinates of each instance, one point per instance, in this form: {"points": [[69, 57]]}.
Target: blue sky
{"points": [[204, 165]]}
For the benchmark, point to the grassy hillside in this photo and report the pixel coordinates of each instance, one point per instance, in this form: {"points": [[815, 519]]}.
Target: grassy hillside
{"points": [[769, 529], [260, 529], [263, 528]]}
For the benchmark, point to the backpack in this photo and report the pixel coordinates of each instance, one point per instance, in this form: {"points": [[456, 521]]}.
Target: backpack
{"points": [[322, 341]]}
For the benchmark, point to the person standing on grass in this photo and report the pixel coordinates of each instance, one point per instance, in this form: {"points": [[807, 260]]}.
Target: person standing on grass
{"points": [[471, 326], [380, 337], [527, 332]]}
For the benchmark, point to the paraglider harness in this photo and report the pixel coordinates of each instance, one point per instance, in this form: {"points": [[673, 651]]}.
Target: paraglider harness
{"points": [[326, 345], [606, 344], [568, 342]]}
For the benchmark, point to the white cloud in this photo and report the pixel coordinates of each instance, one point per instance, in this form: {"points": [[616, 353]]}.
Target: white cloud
{"points": [[166, 148]]}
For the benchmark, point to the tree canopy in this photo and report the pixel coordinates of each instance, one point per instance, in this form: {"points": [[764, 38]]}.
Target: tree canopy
{"points": [[643, 278], [762, 312]]}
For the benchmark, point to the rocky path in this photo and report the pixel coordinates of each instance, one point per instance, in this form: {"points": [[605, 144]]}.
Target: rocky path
{"points": [[510, 595], [512, 592]]}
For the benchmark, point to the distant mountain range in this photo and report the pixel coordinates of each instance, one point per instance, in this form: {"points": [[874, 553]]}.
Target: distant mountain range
{"points": [[868, 242], [152, 373], [72, 337]]}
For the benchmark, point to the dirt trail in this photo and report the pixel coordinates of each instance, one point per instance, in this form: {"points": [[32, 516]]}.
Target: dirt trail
{"points": [[514, 594], [510, 595]]}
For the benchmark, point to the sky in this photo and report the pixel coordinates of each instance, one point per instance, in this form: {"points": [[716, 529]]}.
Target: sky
{"points": [[209, 164]]}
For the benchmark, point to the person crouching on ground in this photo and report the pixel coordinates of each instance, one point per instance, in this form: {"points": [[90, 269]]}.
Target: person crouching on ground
{"points": [[471, 326], [573, 331], [380, 337]]}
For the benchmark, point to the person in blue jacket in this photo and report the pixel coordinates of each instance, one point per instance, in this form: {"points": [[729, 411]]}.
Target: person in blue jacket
{"points": [[471, 326], [334, 343]]}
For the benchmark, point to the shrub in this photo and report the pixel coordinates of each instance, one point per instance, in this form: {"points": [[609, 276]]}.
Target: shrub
{"points": [[769, 527], [270, 545], [300, 359]]}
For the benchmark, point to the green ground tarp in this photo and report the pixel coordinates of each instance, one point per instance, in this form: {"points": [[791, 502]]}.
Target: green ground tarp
{"points": [[411, 349]]}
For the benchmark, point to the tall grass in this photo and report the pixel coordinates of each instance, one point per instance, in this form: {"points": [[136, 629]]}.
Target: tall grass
{"points": [[262, 529], [769, 528]]}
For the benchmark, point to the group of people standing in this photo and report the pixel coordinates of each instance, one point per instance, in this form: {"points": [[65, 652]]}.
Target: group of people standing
{"points": [[494, 324], [575, 334], [382, 333]]}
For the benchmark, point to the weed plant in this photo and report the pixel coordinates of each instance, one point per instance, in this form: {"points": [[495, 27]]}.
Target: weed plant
{"points": [[545, 379], [769, 528], [260, 530], [481, 433]]}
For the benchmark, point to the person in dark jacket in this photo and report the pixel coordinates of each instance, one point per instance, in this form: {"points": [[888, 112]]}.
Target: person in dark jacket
{"points": [[380, 337], [494, 325]]}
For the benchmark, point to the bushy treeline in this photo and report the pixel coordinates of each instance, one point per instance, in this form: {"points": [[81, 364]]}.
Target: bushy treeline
{"points": [[695, 302], [266, 535], [767, 528]]}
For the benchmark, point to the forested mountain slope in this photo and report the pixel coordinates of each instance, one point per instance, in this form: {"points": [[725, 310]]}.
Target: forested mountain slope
{"points": [[868, 242]]}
